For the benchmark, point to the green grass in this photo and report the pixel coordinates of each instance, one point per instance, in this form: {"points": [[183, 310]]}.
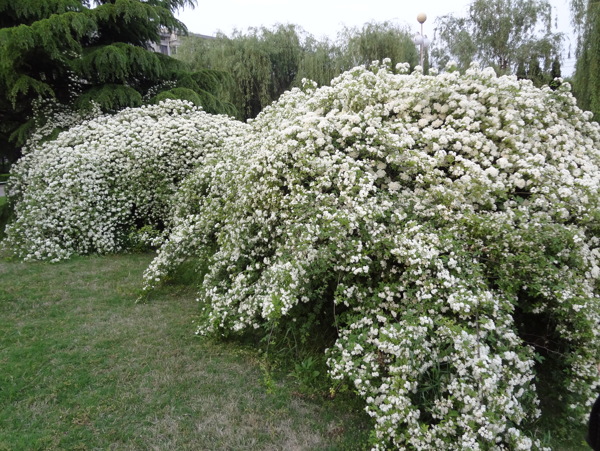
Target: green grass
{"points": [[82, 366]]}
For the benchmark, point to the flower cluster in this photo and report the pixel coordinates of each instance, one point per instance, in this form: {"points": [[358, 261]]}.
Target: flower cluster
{"points": [[449, 223], [51, 117], [96, 184], [452, 224]]}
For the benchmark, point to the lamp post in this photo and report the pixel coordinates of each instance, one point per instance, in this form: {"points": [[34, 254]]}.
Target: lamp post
{"points": [[421, 39]]}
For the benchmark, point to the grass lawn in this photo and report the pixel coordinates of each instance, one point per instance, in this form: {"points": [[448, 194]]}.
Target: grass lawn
{"points": [[82, 366]]}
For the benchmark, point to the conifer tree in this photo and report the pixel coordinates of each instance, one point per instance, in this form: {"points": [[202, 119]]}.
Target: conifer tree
{"points": [[81, 51]]}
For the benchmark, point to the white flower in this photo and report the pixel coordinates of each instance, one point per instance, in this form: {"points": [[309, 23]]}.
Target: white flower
{"points": [[418, 226]]}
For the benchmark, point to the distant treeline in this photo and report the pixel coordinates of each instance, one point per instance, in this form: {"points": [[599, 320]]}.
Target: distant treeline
{"points": [[265, 62]]}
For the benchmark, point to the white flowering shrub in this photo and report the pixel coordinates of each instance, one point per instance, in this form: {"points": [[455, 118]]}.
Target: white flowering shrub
{"points": [[448, 224], [50, 117], [107, 184]]}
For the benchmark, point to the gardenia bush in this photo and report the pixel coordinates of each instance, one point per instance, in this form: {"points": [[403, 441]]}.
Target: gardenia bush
{"points": [[106, 185], [447, 224]]}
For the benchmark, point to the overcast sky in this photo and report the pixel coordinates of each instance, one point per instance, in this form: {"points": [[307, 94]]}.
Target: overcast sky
{"points": [[327, 17]]}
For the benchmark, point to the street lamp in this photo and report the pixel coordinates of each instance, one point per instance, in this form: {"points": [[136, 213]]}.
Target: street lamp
{"points": [[421, 39]]}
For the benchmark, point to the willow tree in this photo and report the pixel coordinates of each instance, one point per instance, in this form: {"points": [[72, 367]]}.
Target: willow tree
{"points": [[377, 41], [321, 61], [510, 35], [586, 80], [264, 62], [79, 52]]}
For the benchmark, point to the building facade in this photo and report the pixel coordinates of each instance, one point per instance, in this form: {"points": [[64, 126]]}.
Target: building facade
{"points": [[168, 43]]}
